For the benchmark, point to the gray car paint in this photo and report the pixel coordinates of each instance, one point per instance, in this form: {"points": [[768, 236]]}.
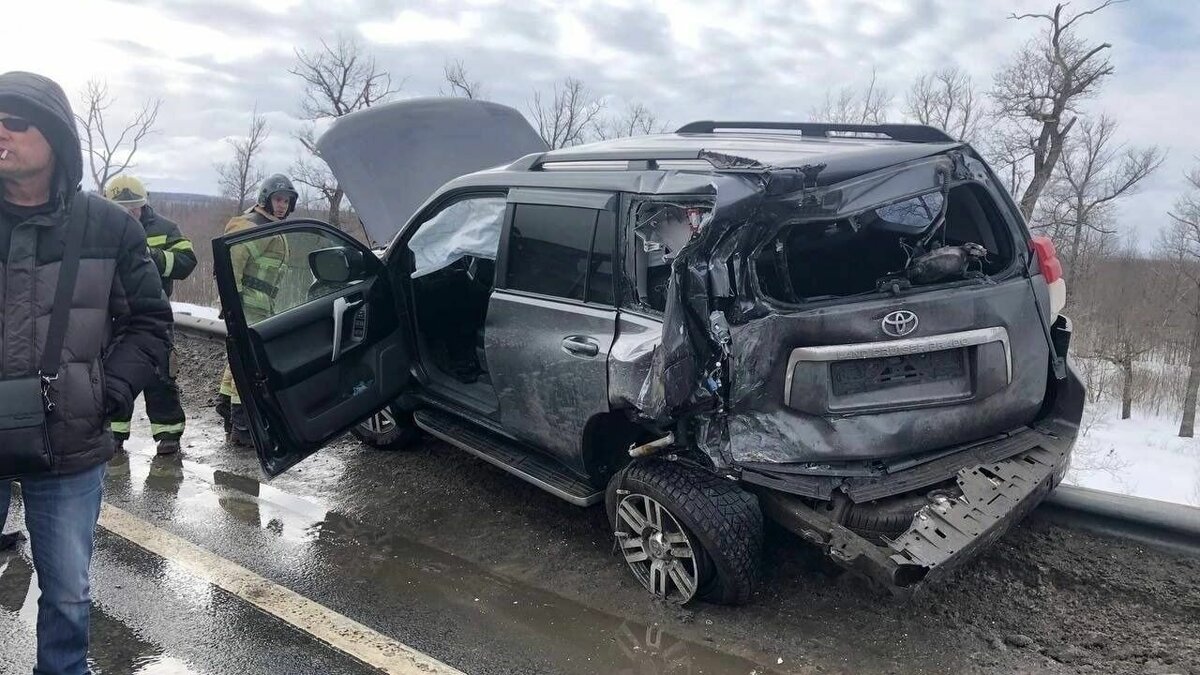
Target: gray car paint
{"points": [[548, 395], [765, 429], [638, 337]]}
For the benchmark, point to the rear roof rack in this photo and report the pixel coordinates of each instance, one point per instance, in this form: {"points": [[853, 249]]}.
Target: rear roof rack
{"points": [[909, 133], [637, 160]]}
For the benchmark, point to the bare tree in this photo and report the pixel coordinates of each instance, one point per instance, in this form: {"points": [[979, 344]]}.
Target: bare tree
{"points": [[1096, 171], [1132, 304], [110, 149], [309, 170], [1184, 237], [1041, 88], [635, 120], [238, 177], [1006, 147], [460, 84], [869, 105], [946, 99], [339, 78], [568, 116]]}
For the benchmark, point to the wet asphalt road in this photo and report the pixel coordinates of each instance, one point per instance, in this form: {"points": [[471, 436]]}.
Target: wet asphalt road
{"points": [[455, 558], [150, 618], [153, 618]]}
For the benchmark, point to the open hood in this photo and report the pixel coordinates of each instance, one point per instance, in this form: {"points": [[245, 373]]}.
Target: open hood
{"points": [[389, 159]]}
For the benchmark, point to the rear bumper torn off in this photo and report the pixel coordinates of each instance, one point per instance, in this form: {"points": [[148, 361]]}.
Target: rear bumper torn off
{"points": [[995, 495]]}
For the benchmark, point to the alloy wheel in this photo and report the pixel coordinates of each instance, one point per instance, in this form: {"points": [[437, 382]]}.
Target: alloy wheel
{"points": [[656, 547], [381, 422]]}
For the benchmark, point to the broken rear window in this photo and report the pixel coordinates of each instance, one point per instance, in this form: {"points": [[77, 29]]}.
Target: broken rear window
{"points": [[922, 240]]}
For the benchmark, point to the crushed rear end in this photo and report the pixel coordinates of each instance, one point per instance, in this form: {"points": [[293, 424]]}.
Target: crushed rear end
{"points": [[877, 353]]}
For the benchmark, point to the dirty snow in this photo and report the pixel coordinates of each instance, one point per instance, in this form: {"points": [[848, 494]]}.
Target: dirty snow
{"points": [[1141, 456], [195, 310]]}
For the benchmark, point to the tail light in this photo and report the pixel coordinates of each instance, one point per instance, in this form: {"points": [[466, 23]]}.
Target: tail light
{"points": [[1052, 271], [1043, 248]]}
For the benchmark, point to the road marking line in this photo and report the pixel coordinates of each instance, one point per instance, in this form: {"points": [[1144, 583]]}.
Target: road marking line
{"points": [[324, 624]]}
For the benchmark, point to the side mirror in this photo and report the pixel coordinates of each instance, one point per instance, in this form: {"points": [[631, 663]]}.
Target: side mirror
{"points": [[337, 265]]}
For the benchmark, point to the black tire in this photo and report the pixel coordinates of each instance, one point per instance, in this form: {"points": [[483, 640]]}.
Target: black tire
{"points": [[885, 518], [721, 518], [402, 434]]}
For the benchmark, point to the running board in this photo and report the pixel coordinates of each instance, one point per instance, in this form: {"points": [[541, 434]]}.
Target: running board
{"points": [[525, 464]]}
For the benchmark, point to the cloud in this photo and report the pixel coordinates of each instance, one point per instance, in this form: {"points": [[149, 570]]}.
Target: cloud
{"points": [[213, 61], [410, 27]]}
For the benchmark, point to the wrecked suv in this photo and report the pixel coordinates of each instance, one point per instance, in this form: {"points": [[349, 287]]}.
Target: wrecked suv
{"points": [[845, 329]]}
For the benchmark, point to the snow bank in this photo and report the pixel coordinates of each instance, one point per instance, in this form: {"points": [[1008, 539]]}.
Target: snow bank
{"points": [[195, 310], [1142, 456]]}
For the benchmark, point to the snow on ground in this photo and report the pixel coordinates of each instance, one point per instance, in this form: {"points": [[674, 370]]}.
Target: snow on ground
{"points": [[1141, 456], [195, 310]]}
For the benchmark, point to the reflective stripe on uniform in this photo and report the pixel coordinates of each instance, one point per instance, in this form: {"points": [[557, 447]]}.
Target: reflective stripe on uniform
{"points": [[156, 429], [156, 241], [168, 263], [120, 427], [181, 245]]}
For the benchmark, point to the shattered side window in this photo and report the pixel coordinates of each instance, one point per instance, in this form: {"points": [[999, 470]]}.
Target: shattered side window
{"points": [[915, 214]]}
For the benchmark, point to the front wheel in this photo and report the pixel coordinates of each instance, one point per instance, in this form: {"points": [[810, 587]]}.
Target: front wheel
{"points": [[388, 429], [685, 532]]}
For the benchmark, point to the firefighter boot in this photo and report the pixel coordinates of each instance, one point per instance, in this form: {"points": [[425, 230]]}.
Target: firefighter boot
{"points": [[239, 427]]}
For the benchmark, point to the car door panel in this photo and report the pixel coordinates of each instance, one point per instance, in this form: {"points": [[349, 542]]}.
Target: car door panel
{"points": [[547, 392], [297, 392], [299, 343], [551, 323], [323, 401]]}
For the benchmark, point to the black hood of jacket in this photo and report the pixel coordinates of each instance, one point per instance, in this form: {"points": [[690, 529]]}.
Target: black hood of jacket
{"points": [[46, 104]]}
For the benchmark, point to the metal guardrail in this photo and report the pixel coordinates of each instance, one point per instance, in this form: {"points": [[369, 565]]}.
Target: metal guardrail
{"points": [[212, 328], [1148, 521]]}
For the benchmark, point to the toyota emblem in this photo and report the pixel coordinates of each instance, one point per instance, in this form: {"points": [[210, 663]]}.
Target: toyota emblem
{"points": [[899, 323]]}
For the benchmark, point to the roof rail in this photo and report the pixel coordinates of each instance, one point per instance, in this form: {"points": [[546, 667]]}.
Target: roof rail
{"points": [[910, 133], [637, 159]]}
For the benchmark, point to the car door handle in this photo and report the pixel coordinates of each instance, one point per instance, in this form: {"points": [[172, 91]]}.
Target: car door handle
{"points": [[340, 307], [580, 346]]}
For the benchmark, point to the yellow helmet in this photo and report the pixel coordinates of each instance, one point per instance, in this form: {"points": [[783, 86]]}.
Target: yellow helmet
{"points": [[126, 191]]}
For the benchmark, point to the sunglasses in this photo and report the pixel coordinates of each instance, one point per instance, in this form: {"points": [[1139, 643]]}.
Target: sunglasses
{"points": [[16, 124]]}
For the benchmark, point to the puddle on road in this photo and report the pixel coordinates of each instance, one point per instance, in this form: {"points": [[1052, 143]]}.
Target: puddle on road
{"points": [[116, 648], [333, 552]]}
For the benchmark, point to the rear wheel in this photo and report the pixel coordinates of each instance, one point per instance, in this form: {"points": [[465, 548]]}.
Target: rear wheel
{"points": [[686, 533], [388, 429]]}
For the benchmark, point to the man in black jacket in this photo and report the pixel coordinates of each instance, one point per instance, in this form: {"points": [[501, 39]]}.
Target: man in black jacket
{"points": [[116, 344], [172, 254]]}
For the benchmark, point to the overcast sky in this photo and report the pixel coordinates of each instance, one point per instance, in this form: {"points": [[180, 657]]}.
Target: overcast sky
{"points": [[213, 61]]}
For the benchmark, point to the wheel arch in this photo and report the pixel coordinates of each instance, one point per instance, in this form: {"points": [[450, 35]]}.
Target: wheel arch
{"points": [[607, 438]]}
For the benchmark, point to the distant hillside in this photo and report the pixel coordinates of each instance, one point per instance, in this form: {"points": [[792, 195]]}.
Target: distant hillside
{"points": [[189, 199]]}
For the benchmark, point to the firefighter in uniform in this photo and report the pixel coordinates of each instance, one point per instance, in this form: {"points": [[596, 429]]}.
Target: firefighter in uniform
{"points": [[257, 269], [173, 254]]}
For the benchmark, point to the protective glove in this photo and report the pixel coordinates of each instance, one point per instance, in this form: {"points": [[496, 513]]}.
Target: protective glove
{"points": [[160, 260], [118, 400]]}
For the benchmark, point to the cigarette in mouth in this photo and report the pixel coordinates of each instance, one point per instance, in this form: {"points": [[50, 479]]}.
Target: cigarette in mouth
{"points": [[3, 155]]}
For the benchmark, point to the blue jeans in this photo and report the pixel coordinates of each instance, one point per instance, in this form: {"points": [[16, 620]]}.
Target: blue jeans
{"points": [[60, 515]]}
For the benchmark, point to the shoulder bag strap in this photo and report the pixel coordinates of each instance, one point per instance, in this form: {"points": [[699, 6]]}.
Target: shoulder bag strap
{"points": [[65, 290]]}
